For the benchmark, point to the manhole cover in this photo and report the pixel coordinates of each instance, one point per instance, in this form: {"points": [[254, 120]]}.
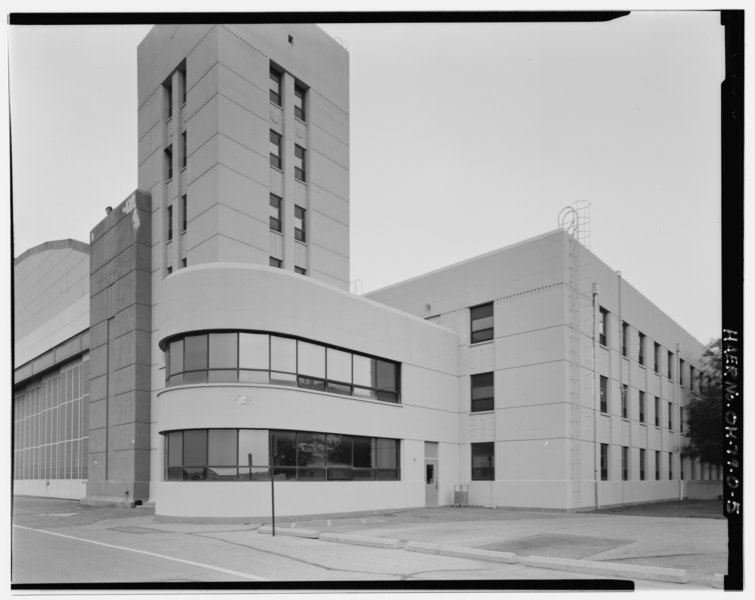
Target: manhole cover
{"points": [[558, 545], [134, 529]]}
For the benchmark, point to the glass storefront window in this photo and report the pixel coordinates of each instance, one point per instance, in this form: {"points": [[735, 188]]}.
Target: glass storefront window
{"points": [[254, 351], [223, 351]]}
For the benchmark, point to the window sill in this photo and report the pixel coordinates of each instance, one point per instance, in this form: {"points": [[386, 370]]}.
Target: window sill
{"points": [[279, 169], [482, 412], [302, 121], [481, 343]]}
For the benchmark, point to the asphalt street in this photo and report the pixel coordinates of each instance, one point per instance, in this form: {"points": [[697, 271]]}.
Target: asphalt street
{"points": [[61, 542]]}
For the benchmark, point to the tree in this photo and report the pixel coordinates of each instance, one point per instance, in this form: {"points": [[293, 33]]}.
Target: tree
{"points": [[704, 431]]}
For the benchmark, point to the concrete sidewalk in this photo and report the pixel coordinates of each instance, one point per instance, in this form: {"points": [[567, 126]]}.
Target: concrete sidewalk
{"points": [[698, 546]]}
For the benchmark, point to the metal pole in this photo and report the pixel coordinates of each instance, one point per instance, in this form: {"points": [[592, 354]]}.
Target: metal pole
{"points": [[272, 484], [596, 393]]}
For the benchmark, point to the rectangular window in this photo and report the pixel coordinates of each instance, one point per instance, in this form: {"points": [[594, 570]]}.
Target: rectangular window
{"points": [[184, 217], [643, 458], [670, 466], [169, 97], [483, 462], [603, 394], [681, 419], [300, 270], [275, 212], [624, 394], [299, 93], [300, 232], [275, 150], [300, 155], [670, 417], [656, 357], [670, 365], [169, 161], [603, 327], [681, 371], [481, 318], [482, 392], [641, 349], [183, 263], [642, 406], [182, 77], [691, 377], [276, 262], [624, 339], [657, 465], [276, 78], [170, 223], [657, 410], [624, 463], [604, 462]]}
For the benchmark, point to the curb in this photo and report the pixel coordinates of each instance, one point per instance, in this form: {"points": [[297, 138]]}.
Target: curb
{"points": [[361, 540], [605, 568], [462, 552], [290, 531]]}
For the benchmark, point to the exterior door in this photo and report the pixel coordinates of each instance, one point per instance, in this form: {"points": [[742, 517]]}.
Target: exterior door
{"points": [[431, 473]]}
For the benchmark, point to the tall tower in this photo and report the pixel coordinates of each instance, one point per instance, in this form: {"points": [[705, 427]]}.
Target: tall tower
{"points": [[244, 147]]}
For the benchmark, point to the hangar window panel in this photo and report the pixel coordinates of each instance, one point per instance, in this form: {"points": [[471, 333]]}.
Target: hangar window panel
{"points": [[223, 351], [339, 365], [311, 360], [253, 452], [195, 352], [310, 456], [284, 454], [283, 354], [221, 449]]}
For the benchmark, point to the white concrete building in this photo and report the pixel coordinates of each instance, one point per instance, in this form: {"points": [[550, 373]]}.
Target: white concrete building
{"points": [[221, 342]]}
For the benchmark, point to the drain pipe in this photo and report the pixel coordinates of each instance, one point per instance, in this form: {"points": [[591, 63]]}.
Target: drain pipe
{"points": [[595, 392], [678, 401]]}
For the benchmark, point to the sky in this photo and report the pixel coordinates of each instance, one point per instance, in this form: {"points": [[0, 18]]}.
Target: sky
{"points": [[464, 138]]}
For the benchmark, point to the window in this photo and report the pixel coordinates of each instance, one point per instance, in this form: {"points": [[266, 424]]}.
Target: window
{"points": [[183, 150], [300, 270], [299, 166], [275, 212], [624, 463], [604, 462], [624, 394], [691, 377], [670, 417], [656, 357], [183, 263], [169, 161], [657, 410], [681, 469], [483, 462], [170, 222], [276, 78], [169, 98], [681, 371], [182, 77], [299, 93], [624, 339], [603, 394], [275, 150], [243, 455], [641, 349], [300, 232], [184, 217], [603, 327], [170, 270], [670, 466], [482, 322], [276, 262], [642, 406], [220, 357], [681, 419], [657, 465], [482, 392], [643, 458], [670, 364]]}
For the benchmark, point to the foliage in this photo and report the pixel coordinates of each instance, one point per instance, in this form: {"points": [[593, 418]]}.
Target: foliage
{"points": [[703, 430]]}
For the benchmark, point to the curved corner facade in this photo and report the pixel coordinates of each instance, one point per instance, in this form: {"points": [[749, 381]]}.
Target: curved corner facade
{"points": [[325, 357]]}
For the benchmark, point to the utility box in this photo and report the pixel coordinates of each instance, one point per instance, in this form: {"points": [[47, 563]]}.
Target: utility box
{"points": [[461, 495]]}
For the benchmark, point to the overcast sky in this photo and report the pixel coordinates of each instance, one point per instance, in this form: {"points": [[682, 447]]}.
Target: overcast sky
{"points": [[464, 138]]}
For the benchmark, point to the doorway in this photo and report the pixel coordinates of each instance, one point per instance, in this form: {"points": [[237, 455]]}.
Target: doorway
{"points": [[431, 473]]}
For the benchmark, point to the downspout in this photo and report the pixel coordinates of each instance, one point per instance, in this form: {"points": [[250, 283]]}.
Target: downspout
{"points": [[622, 345], [678, 402], [596, 393]]}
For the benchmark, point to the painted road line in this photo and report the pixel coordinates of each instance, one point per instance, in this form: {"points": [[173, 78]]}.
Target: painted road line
{"points": [[179, 560]]}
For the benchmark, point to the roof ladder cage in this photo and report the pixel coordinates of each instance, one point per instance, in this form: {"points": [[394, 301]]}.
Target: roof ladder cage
{"points": [[575, 220]]}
